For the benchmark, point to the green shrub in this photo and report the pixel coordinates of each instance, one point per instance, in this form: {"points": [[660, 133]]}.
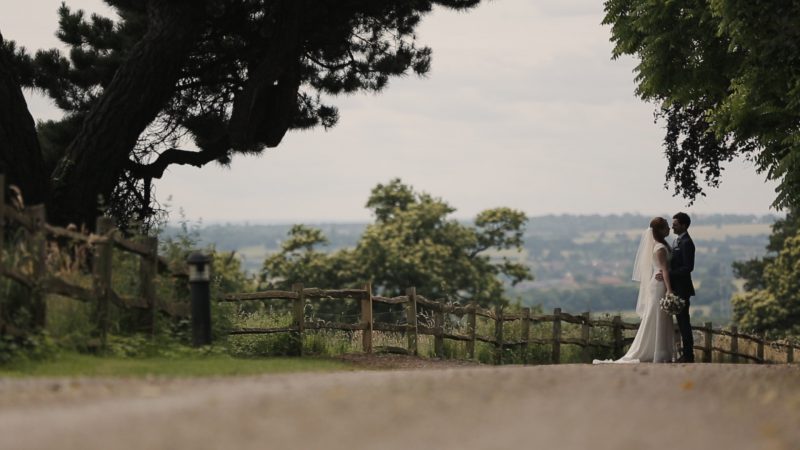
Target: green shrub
{"points": [[26, 348]]}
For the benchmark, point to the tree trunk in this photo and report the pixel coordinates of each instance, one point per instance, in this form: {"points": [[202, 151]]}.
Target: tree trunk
{"points": [[141, 86], [20, 156]]}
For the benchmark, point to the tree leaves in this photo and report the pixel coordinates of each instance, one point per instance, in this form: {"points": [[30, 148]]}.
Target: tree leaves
{"points": [[725, 75], [413, 242], [771, 302]]}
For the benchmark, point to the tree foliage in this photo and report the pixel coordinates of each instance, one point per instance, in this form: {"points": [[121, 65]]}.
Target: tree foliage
{"points": [[412, 242], [752, 271], [771, 302], [233, 76], [724, 76]]}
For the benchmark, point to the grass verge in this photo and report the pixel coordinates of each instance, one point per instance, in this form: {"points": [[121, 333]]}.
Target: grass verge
{"points": [[73, 365]]}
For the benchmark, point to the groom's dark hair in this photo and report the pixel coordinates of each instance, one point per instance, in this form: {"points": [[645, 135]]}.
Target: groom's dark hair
{"points": [[683, 219]]}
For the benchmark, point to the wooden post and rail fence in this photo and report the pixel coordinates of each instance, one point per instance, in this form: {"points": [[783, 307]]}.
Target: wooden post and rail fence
{"points": [[412, 303], [39, 282], [101, 295]]}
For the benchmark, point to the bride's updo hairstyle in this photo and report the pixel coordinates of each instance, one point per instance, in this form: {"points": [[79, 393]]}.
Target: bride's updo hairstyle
{"points": [[659, 223]]}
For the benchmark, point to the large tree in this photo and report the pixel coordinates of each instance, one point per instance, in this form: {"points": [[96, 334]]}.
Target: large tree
{"points": [[231, 75], [413, 242], [725, 76]]}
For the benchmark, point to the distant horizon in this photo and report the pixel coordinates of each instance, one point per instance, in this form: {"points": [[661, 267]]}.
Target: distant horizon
{"points": [[460, 218]]}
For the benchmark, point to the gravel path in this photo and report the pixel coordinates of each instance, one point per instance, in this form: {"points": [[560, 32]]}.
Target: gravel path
{"points": [[701, 406]]}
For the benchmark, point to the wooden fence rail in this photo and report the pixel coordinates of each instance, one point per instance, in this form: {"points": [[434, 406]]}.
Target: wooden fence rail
{"points": [[412, 328], [99, 244]]}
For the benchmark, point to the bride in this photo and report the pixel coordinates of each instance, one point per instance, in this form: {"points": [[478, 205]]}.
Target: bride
{"points": [[654, 339]]}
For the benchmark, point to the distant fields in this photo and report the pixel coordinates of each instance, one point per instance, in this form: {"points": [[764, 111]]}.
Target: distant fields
{"points": [[698, 233], [254, 255]]}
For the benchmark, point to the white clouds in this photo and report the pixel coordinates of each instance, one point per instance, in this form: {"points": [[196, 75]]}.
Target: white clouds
{"points": [[569, 8]]}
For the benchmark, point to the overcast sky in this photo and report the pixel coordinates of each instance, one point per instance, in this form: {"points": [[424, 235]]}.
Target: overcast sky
{"points": [[523, 108]]}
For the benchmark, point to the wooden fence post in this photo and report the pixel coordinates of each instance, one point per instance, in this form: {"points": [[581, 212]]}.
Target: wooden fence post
{"points": [[299, 318], [471, 324], [366, 319], [2, 216], [555, 358], [498, 335], [39, 241], [760, 348], [526, 333], [103, 257], [586, 337], [790, 354], [709, 342], [734, 344], [148, 268], [617, 333], [411, 319], [438, 337], [2, 228]]}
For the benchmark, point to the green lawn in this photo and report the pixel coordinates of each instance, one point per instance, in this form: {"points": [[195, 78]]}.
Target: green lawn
{"points": [[186, 366]]}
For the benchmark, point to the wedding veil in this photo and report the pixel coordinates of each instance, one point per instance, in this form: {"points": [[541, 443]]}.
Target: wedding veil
{"points": [[643, 268]]}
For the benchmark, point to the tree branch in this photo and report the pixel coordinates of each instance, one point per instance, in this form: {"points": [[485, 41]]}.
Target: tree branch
{"points": [[168, 157], [478, 249], [333, 67]]}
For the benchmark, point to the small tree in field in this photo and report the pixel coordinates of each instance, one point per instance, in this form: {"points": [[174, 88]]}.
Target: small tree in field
{"points": [[412, 242]]}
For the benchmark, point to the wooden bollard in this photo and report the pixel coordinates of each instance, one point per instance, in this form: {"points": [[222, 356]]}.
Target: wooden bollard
{"points": [[498, 336], [555, 357], [526, 333], [411, 320], [299, 317], [586, 352], [200, 265], [790, 354], [471, 325], [760, 348], [709, 341], [366, 319], [734, 344]]}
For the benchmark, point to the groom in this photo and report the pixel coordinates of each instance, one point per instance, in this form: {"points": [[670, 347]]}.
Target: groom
{"points": [[680, 277]]}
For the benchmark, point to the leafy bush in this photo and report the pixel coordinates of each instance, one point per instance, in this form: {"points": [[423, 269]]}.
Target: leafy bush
{"points": [[26, 348]]}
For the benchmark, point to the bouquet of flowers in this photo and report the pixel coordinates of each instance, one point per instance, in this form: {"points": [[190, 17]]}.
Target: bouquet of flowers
{"points": [[671, 304]]}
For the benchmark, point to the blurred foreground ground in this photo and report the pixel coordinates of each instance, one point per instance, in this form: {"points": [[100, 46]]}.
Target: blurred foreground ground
{"points": [[646, 406]]}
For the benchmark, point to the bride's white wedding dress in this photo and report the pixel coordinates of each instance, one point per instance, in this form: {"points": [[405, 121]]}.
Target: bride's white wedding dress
{"points": [[654, 341]]}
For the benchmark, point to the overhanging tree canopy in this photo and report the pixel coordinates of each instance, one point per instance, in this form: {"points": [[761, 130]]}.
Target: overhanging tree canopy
{"points": [[232, 75], [725, 75]]}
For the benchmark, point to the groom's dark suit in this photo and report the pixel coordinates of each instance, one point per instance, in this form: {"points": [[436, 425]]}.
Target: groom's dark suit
{"points": [[680, 277]]}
